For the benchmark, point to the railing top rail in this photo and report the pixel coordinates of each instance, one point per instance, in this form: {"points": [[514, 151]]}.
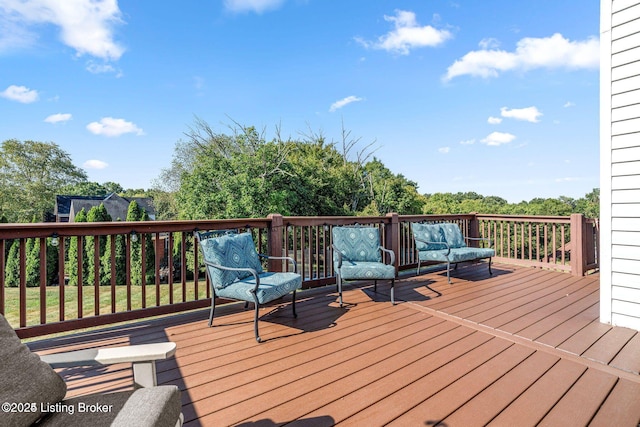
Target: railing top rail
{"points": [[435, 217], [67, 229], [333, 220], [525, 218]]}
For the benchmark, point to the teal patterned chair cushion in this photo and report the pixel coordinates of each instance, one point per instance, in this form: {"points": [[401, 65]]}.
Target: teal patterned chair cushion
{"points": [[230, 250], [452, 235], [428, 232], [357, 243], [364, 270], [456, 255], [453, 250], [272, 286]]}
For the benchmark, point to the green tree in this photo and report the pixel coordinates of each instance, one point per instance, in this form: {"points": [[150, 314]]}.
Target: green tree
{"points": [[32, 268], [97, 214], [589, 205], [12, 267], [136, 213], [243, 175], [389, 192], [72, 260], [31, 173]]}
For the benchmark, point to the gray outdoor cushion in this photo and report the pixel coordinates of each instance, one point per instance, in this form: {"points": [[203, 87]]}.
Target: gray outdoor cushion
{"points": [[144, 407], [25, 379]]}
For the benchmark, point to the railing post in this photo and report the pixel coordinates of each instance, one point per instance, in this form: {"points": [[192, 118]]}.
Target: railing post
{"points": [[392, 240], [474, 230], [275, 241], [578, 260]]}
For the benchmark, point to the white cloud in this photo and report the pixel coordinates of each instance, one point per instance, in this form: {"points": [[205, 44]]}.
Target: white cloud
{"points": [[95, 164], [257, 6], [345, 101], [498, 138], [569, 104], [108, 126], [85, 25], [443, 150], [468, 142], [529, 114], [406, 35], [95, 68], [20, 93], [494, 120], [58, 118], [549, 52], [489, 43]]}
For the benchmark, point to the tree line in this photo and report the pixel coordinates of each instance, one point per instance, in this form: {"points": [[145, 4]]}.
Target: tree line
{"points": [[236, 174], [241, 174]]}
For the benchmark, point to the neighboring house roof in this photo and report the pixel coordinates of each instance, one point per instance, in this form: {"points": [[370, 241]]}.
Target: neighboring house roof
{"points": [[117, 206]]}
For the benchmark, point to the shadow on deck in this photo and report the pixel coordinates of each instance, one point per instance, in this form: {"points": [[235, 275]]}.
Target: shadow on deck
{"points": [[518, 348]]}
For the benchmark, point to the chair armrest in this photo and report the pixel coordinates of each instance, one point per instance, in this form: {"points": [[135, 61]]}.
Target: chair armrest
{"points": [[111, 355], [293, 261], [250, 270], [337, 252], [142, 357], [482, 239], [434, 243], [392, 255]]}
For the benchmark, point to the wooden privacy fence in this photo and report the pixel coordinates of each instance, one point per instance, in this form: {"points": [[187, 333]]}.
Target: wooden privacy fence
{"points": [[57, 277]]}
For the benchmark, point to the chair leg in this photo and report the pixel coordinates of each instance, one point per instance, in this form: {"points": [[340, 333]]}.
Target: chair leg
{"points": [[339, 280], [255, 319], [375, 286], [213, 308], [393, 301], [448, 272], [490, 273], [418, 269], [293, 304]]}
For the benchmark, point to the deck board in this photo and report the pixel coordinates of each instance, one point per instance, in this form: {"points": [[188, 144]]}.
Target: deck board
{"points": [[582, 401], [491, 401], [518, 348]]}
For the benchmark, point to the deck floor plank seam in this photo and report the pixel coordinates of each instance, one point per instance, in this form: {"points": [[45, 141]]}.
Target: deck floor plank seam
{"points": [[585, 361]]}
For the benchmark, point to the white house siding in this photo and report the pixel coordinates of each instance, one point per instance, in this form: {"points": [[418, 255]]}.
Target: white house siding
{"points": [[620, 162]]}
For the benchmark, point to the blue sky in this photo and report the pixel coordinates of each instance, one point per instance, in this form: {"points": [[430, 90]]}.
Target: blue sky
{"points": [[498, 97]]}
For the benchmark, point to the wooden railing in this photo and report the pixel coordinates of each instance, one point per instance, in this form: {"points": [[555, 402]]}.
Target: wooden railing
{"points": [[119, 285]]}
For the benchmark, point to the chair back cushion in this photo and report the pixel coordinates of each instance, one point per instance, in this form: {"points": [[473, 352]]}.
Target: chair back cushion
{"points": [[25, 379], [357, 243], [231, 250], [453, 235], [428, 232]]}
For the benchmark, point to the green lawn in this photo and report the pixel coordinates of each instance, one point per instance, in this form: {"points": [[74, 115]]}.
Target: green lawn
{"points": [[12, 300]]}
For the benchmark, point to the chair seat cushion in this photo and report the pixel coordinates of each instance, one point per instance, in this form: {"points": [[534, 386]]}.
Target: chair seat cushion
{"points": [[366, 270], [272, 286], [145, 407], [457, 255]]}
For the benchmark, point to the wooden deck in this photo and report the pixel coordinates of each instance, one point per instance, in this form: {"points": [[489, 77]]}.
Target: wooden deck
{"points": [[523, 347]]}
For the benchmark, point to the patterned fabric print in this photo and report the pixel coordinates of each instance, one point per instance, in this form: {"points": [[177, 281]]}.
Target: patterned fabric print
{"points": [[457, 255], [232, 250], [367, 270], [428, 232], [452, 235], [357, 243], [272, 286]]}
